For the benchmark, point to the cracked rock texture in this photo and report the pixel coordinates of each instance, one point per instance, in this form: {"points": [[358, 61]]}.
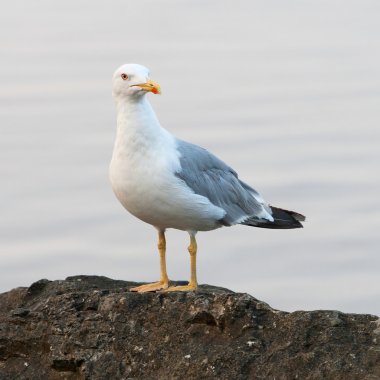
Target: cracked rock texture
{"points": [[89, 327]]}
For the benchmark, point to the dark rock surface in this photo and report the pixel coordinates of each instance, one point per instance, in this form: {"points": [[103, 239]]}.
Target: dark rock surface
{"points": [[89, 327]]}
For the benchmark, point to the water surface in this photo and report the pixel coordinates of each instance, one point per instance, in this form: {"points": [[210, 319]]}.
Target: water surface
{"points": [[287, 93]]}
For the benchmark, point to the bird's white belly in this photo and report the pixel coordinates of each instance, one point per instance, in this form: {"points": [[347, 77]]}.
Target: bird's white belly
{"points": [[153, 193]]}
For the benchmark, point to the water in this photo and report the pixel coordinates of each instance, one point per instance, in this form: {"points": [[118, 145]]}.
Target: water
{"points": [[286, 93]]}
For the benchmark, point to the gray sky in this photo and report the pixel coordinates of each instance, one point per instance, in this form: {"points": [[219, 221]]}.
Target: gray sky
{"points": [[287, 93]]}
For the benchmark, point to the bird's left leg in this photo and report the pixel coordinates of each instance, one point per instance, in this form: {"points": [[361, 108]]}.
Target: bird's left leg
{"points": [[192, 285], [164, 279]]}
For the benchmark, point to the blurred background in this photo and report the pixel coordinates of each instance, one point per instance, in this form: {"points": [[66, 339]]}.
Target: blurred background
{"points": [[287, 93]]}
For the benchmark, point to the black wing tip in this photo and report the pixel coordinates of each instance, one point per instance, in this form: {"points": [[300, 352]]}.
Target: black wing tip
{"points": [[298, 216], [273, 225], [280, 213], [283, 220]]}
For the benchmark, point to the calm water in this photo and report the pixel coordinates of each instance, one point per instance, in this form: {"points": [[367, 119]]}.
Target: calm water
{"points": [[287, 93]]}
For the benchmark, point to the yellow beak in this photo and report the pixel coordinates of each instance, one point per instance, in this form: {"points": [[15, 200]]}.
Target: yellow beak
{"points": [[149, 86]]}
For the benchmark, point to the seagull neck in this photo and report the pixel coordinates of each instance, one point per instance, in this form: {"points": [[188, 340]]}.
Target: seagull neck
{"points": [[136, 117]]}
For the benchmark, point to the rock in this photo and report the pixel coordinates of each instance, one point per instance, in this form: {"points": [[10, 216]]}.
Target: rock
{"points": [[89, 327]]}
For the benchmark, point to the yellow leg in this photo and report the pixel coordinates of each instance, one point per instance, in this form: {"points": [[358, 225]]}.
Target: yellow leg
{"points": [[164, 280], [192, 285]]}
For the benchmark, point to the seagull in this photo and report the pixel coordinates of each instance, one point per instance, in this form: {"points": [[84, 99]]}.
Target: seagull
{"points": [[171, 183]]}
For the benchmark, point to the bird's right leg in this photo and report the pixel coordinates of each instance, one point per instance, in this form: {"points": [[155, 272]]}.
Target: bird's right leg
{"points": [[164, 279], [193, 284]]}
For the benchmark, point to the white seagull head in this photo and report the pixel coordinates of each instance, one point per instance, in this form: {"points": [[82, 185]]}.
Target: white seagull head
{"points": [[131, 81]]}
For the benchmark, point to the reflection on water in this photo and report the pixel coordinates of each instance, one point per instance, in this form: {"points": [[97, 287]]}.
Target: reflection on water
{"points": [[287, 94]]}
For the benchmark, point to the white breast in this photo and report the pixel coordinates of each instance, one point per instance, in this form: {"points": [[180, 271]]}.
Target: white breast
{"points": [[142, 174]]}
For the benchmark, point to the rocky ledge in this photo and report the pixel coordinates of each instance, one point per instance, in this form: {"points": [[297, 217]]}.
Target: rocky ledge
{"points": [[89, 327]]}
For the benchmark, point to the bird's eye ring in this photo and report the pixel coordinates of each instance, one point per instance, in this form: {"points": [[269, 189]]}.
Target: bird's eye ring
{"points": [[124, 76]]}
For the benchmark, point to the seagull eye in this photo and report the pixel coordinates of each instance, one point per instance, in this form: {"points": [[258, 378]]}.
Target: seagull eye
{"points": [[124, 76]]}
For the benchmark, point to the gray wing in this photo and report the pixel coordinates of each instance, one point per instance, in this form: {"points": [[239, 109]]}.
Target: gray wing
{"points": [[207, 175]]}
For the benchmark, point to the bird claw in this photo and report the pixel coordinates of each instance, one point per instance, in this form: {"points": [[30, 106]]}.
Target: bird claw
{"points": [[183, 288], [159, 285]]}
